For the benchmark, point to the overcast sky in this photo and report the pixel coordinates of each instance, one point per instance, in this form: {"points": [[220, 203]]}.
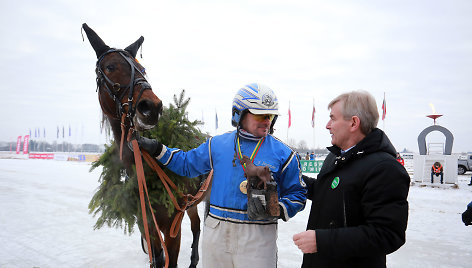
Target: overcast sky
{"points": [[416, 52]]}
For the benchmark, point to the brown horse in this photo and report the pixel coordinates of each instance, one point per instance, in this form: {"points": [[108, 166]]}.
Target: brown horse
{"points": [[127, 100]]}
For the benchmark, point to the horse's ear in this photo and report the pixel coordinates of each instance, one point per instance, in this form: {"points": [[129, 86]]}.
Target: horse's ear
{"points": [[133, 48], [97, 43]]}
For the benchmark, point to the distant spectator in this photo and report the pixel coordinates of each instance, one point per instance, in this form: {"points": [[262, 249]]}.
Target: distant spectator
{"points": [[312, 156], [467, 215], [400, 159], [307, 156], [437, 170]]}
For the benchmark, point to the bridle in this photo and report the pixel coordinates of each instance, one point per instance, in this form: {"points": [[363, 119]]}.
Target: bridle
{"points": [[104, 82]]}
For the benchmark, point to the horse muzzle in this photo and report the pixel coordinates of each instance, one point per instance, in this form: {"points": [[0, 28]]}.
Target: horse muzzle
{"points": [[147, 114]]}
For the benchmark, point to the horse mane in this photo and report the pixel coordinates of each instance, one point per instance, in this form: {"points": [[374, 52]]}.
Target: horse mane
{"points": [[105, 126]]}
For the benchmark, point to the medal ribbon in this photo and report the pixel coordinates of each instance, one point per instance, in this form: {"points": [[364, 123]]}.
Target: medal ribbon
{"points": [[254, 153]]}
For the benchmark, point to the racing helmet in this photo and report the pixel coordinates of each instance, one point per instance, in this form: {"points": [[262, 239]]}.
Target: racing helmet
{"points": [[257, 99]]}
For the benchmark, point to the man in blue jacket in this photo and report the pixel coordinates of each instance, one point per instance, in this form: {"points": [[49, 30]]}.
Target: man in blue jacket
{"points": [[359, 210], [238, 234]]}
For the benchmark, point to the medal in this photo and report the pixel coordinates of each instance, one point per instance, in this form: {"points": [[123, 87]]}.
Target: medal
{"points": [[243, 187], [243, 184]]}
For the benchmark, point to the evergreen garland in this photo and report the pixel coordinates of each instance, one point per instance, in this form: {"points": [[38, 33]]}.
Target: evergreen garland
{"points": [[116, 201]]}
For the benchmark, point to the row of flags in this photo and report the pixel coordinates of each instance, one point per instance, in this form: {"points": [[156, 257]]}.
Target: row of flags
{"points": [[384, 113], [312, 116], [37, 132]]}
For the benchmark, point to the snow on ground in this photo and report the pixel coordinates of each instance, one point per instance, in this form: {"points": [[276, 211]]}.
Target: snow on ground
{"points": [[44, 222]]}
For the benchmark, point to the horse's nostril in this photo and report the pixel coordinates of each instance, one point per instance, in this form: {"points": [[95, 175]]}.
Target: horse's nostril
{"points": [[144, 108], [159, 107]]}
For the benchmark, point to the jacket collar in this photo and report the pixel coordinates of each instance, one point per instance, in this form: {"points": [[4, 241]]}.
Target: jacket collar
{"points": [[248, 136]]}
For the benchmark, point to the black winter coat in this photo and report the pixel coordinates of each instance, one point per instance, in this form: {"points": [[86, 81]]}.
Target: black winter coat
{"points": [[364, 217]]}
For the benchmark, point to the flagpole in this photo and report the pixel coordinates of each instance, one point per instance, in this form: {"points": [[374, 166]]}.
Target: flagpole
{"points": [[313, 125], [216, 122], [289, 120], [384, 108], [314, 140]]}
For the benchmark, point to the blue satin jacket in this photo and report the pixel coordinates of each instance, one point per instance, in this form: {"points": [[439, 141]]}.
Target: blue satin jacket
{"points": [[227, 201]]}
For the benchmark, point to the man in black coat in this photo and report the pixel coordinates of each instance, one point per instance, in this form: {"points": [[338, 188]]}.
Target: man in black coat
{"points": [[359, 209]]}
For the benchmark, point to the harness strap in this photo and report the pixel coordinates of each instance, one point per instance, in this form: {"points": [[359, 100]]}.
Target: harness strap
{"points": [[143, 186], [189, 200], [122, 136]]}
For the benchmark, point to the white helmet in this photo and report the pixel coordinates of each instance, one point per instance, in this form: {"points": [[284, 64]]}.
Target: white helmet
{"points": [[255, 98]]}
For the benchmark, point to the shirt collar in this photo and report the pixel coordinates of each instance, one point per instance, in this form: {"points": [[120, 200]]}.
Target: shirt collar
{"points": [[345, 151]]}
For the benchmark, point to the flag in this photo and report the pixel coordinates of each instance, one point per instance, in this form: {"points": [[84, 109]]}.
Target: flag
{"points": [[58, 132], [62, 131], [18, 144], [25, 144], [289, 116], [216, 120], [313, 116], [384, 108], [35, 132], [44, 132], [70, 132]]}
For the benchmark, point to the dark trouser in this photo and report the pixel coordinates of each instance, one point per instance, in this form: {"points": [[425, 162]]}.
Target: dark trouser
{"points": [[437, 174]]}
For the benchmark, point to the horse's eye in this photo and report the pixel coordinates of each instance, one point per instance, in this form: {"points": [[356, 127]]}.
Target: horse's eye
{"points": [[110, 68]]}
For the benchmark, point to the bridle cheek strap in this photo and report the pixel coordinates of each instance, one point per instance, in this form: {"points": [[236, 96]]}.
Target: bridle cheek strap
{"points": [[123, 118]]}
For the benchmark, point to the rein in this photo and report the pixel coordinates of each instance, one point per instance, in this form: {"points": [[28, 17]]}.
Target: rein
{"points": [[189, 200]]}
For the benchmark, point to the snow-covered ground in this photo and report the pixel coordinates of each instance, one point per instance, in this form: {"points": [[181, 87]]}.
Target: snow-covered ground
{"points": [[44, 222]]}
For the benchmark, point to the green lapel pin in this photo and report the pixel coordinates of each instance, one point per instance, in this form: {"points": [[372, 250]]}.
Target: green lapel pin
{"points": [[335, 183]]}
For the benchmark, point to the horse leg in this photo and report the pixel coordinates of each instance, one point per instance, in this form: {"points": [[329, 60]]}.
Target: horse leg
{"points": [[173, 247], [158, 258], [158, 254], [192, 213]]}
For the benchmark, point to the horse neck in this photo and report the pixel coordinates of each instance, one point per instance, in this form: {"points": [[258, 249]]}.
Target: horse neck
{"points": [[127, 157]]}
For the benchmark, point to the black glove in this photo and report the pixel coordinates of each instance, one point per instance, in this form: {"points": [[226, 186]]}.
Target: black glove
{"points": [[152, 146], [256, 210], [467, 217]]}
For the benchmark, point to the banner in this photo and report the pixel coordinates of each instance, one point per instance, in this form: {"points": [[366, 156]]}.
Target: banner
{"points": [[26, 144], [18, 145], [311, 166], [41, 156]]}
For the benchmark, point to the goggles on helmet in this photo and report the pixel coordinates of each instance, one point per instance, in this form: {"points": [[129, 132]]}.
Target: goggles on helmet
{"points": [[263, 117]]}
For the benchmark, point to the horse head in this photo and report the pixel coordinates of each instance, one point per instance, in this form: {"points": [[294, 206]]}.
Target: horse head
{"points": [[125, 96]]}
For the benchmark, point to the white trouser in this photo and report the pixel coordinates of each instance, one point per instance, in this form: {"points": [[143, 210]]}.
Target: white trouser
{"points": [[227, 244]]}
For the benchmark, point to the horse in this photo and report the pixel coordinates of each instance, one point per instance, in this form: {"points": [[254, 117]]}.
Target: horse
{"points": [[129, 104]]}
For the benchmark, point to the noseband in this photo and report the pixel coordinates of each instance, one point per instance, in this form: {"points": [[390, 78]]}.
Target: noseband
{"points": [[103, 81]]}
